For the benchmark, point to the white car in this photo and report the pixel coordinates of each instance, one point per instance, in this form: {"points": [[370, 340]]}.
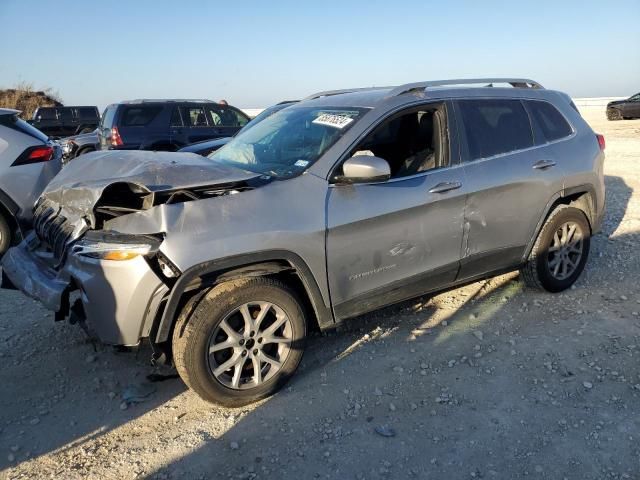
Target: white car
{"points": [[28, 161]]}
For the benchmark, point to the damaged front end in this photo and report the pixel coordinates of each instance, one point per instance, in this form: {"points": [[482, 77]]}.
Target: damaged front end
{"points": [[76, 266]]}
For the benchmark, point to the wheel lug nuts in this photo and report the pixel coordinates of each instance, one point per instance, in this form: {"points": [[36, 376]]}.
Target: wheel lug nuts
{"points": [[241, 342], [255, 352], [244, 353], [252, 333], [260, 340]]}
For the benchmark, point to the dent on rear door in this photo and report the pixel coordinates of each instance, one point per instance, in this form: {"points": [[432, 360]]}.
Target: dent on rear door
{"points": [[508, 195]]}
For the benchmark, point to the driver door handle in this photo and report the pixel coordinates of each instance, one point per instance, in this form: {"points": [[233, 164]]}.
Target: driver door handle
{"points": [[544, 164], [445, 187]]}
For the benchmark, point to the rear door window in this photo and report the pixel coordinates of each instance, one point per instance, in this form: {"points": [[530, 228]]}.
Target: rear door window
{"points": [[64, 114], [87, 113], [549, 123], [494, 127], [225, 116], [139, 116], [194, 117]]}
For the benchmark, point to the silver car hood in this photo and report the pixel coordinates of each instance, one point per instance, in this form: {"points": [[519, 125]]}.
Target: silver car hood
{"points": [[136, 180]]}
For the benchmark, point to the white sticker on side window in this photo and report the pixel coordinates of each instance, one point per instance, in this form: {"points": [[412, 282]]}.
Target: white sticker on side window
{"points": [[330, 120]]}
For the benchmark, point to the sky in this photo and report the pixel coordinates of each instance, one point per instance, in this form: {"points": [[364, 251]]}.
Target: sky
{"points": [[257, 53]]}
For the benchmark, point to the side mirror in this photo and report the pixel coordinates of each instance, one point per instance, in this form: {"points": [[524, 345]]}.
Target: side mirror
{"points": [[364, 169]]}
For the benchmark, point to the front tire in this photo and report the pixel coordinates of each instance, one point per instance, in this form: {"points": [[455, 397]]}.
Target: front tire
{"points": [[240, 341], [560, 252], [614, 114]]}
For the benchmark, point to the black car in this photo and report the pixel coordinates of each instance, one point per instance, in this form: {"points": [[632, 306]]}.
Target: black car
{"points": [[58, 122], [206, 147], [77, 145], [623, 109], [166, 125]]}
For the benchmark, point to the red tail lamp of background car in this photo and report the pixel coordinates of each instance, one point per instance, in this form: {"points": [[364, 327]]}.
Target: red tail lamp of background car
{"points": [[116, 140], [35, 155]]}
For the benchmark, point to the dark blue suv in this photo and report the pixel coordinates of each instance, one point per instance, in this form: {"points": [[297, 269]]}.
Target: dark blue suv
{"points": [[166, 125]]}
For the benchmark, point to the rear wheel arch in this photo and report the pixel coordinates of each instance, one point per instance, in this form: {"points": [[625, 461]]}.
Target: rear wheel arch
{"points": [[583, 198], [287, 267]]}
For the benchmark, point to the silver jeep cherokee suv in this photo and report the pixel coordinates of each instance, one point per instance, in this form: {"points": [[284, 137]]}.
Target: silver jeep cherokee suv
{"points": [[343, 203]]}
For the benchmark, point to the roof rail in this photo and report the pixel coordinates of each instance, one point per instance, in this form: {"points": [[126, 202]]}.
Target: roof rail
{"points": [[328, 93], [514, 82], [158, 100]]}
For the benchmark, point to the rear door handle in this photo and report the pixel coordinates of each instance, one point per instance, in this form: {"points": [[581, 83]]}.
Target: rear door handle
{"points": [[544, 164], [445, 187]]}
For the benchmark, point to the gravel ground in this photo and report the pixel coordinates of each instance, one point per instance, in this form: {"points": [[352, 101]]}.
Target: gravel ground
{"points": [[487, 381]]}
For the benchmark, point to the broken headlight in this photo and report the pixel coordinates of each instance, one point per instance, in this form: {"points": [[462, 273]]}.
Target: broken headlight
{"points": [[116, 246]]}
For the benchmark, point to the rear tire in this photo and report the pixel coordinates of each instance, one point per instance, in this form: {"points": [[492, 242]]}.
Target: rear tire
{"points": [[614, 114], [5, 235], [229, 326], [560, 252]]}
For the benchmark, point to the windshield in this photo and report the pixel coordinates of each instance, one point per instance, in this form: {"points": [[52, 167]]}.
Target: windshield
{"points": [[266, 113], [286, 143]]}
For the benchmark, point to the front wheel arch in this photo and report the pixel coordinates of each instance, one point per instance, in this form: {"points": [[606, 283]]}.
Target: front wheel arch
{"points": [[202, 276]]}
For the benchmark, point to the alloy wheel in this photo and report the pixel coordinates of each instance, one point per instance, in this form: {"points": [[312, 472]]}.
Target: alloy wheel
{"points": [[250, 345], [566, 251]]}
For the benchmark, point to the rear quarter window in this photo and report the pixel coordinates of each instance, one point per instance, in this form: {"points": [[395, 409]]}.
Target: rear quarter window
{"points": [[494, 127], [139, 116], [549, 123]]}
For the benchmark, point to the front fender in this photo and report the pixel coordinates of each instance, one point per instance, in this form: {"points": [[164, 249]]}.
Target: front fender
{"points": [[198, 272]]}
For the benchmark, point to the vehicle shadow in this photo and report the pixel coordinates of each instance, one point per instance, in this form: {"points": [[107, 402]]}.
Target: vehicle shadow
{"points": [[64, 390], [344, 388]]}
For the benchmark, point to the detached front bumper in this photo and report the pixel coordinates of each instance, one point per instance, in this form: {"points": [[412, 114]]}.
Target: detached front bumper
{"points": [[120, 299], [34, 277]]}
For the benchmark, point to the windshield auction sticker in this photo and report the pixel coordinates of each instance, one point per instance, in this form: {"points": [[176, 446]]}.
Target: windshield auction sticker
{"points": [[335, 121]]}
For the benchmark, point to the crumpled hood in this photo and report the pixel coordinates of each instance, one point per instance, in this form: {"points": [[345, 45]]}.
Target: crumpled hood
{"points": [[82, 183]]}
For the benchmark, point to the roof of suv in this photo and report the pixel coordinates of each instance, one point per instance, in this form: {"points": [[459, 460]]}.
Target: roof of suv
{"points": [[371, 97], [166, 100]]}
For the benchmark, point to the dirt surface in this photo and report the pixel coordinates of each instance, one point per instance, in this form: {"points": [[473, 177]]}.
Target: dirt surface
{"points": [[487, 381]]}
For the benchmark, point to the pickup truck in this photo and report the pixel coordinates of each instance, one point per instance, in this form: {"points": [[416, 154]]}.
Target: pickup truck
{"points": [[58, 122]]}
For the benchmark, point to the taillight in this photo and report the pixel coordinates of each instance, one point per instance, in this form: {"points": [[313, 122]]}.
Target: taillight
{"points": [[116, 140], [601, 141], [35, 155]]}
